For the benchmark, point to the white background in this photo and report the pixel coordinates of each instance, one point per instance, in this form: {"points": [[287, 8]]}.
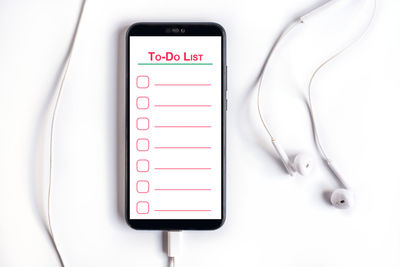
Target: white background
{"points": [[272, 219]]}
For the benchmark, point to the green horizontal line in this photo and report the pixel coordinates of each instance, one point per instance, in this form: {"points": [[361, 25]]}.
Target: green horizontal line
{"points": [[174, 63]]}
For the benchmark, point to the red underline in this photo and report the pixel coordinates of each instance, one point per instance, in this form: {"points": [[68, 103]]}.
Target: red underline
{"points": [[182, 84], [181, 189], [182, 126], [182, 147], [167, 106], [182, 168], [182, 210]]}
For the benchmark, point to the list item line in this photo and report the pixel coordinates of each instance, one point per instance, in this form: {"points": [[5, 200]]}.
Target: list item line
{"points": [[182, 189], [182, 84], [182, 168], [182, 147], [182, 126], [183, 210], [183, 106]]}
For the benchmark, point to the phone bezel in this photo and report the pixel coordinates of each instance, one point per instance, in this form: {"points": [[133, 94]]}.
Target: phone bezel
{"points": [[191, 29]]}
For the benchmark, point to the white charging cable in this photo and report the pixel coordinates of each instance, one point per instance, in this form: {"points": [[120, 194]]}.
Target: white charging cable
{"points": [[173, 246], [60, 85]]}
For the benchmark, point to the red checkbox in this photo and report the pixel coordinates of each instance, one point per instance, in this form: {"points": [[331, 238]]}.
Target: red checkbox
{"points": [[142, 144], [142, 207], [142, 102], [142, 124], [142, 81], [142, 165], [142, 186]]}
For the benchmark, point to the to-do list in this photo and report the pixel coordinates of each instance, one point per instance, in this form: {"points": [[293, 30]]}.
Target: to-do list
{"points": [[175, 127]]}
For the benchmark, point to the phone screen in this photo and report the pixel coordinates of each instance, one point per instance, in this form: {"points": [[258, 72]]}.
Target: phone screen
{"points": [[176, 127]]}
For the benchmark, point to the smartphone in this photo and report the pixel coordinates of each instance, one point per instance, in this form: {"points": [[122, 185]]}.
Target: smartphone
{"points": [[175, 126]]}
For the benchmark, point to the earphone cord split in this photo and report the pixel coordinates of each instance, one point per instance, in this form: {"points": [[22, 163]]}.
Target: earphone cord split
{"points": [[284, 33], [60, 85]]}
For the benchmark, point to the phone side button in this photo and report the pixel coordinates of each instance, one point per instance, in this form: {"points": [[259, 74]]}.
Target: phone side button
{"points": [[226, 78], [226, 104]]}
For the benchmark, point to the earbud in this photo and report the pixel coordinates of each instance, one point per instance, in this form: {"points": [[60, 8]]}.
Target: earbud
{"points": [[342, 198], [302, 163]]}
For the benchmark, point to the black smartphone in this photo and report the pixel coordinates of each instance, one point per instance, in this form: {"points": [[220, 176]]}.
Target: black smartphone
{"points": [[175, 126]]}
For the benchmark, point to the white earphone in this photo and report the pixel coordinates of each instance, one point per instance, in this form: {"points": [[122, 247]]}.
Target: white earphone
{"points": [[343, 197], [302, 164]]}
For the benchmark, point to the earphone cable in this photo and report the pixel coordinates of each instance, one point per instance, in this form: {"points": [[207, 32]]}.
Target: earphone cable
{"points": [[318, 69], [60, 85], [285, 32]]}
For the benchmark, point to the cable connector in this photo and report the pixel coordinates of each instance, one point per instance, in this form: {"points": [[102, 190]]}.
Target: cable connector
{"points": [[174, 246]]}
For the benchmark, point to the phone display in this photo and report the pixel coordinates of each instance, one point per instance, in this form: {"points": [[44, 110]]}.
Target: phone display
{"points": [[175, 126]]}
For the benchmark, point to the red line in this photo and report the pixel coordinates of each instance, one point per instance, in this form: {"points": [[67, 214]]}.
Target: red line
{"points": [[182, 210], [182, 126], [168, 106], [182, 147], [182, 84], [182, 168], [181, 189]]}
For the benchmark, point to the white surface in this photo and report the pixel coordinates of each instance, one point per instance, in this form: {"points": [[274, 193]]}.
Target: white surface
{"points": [[272, 219]]}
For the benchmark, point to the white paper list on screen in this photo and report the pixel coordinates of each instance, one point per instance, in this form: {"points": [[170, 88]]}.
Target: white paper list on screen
{"points": [[175, 127]]}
